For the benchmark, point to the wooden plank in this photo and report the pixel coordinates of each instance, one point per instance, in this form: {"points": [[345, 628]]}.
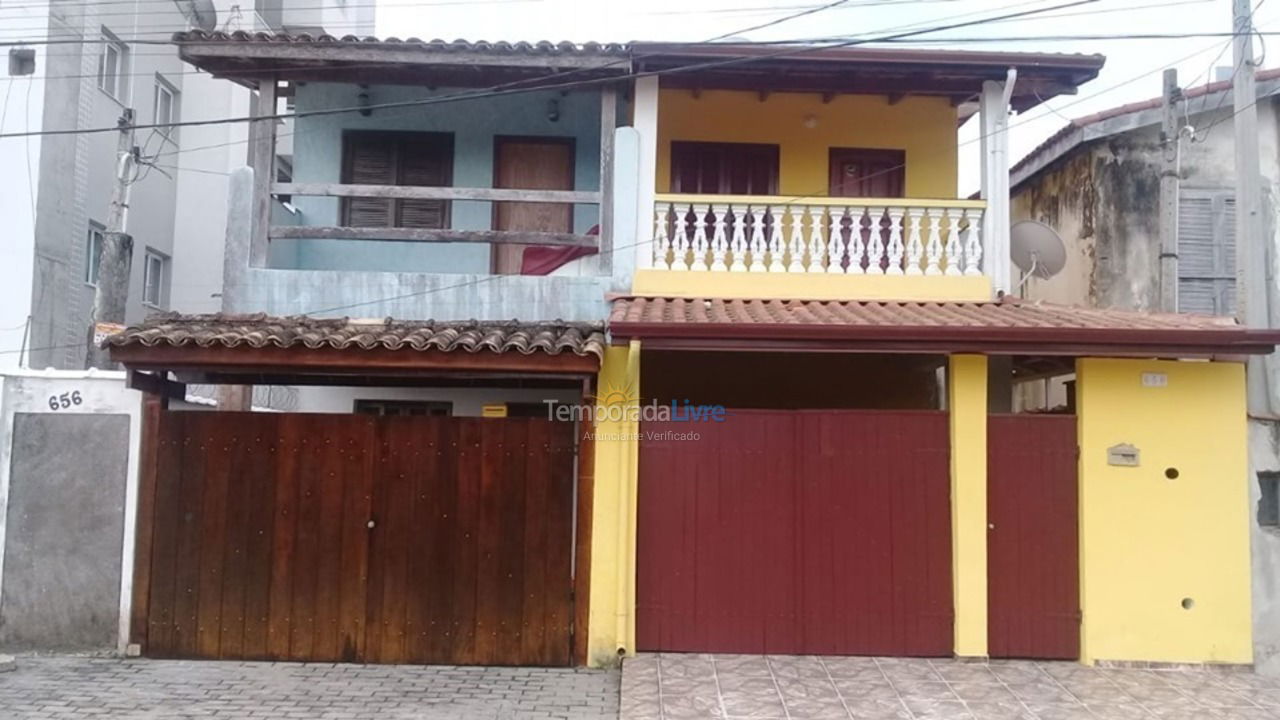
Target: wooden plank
{"points": [[608, 125], [512, 557], [422, 192], [162, 558], [560, 482], [582, 539], [284, 536], [341, 462], [390, 540], [155, 384], [536, 546], [488, 537], [221, 464], [262, 158], [189, 533], [313, 464], [466, 541], [427, 235], [144, 533], [357, 506], [245, 451], [441, 532], [259, 495]]}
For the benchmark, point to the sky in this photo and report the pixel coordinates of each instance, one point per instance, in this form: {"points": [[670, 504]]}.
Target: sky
{"points": [[1132, 72]]}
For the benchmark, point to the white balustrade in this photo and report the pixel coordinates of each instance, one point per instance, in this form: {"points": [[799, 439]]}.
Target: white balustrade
{"points": [[822, 235]]}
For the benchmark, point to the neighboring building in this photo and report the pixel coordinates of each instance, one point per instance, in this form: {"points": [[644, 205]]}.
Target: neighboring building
{"points": [[1097, 181], [88, 63], [750, 261]]}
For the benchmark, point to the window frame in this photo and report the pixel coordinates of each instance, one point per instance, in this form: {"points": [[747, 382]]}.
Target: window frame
{"points": [[95, 234], [120, 72], [445, 142], [163, 262], [163, 86]]}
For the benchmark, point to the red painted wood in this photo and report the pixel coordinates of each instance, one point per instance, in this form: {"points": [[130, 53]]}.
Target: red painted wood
{"points": [[824, 532], [1033, 590]]}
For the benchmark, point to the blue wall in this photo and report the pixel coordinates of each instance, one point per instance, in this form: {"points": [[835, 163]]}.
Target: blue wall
{"points": [[317, 157]]}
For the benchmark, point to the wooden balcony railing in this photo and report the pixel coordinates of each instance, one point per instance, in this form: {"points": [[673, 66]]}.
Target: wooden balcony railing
{"points": [[413, 192], [855, 236]]}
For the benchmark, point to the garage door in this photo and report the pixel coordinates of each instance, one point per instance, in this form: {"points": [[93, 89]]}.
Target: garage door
{"points": [[358, 538], [824, 532]]}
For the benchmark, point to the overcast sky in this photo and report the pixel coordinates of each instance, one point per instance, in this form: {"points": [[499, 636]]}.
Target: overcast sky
{"points": [[1132, 71]]}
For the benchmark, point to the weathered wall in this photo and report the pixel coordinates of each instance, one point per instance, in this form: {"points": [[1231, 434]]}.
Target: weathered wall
{"points": [[922, 126], [67, 496], [467, 402], [1164, 560]]}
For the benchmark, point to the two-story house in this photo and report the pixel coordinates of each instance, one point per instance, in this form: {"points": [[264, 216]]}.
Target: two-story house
{"points": [[683, 348]]}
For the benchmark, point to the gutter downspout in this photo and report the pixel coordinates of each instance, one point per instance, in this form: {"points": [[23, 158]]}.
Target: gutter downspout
{"points": [[629, 461]]}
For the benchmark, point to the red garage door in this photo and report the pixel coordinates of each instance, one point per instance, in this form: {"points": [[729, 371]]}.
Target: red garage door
{"points": [[824, 532]]}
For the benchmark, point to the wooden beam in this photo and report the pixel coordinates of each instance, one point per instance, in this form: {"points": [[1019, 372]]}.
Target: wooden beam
{"points": [[582, 531], [155, 385], [153, 414], [419, 192], [262, 157], [608, 125], [427, 235], [304, 360]]}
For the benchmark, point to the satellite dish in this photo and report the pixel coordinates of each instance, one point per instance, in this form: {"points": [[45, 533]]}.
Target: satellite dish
{"points": [[200, 13], [1037, 249]]}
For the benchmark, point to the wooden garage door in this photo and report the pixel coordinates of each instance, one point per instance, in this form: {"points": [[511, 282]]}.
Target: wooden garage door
{"points": [[359, 538], [1033, 567], [822, 532]]}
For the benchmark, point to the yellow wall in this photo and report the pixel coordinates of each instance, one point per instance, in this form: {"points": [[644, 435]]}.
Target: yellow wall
{"points": [[611, 620], [924, 127], [809, 286], [1146, 541], [967, 403]]}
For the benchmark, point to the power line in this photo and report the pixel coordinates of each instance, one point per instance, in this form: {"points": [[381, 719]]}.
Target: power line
{"points": [[499, 91]]}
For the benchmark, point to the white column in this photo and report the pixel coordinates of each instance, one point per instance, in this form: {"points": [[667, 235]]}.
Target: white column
{"points": [[645, 121], [994, 115]]}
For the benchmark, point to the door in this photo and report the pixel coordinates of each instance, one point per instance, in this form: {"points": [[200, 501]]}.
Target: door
{"points": [[530, 163], [705, 168], [1033, 590], [862, 172], [796, 532], [354, 538]]}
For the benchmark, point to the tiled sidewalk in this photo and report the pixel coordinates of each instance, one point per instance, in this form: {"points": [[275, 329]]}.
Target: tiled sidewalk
{"points": [[689, 687]]}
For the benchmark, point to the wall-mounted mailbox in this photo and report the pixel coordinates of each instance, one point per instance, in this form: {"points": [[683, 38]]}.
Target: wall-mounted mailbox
{"points": [[1124, 455]]}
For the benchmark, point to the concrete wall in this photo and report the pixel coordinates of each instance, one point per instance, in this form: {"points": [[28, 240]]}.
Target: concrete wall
{"points": [[68, 494], [317, 157]]}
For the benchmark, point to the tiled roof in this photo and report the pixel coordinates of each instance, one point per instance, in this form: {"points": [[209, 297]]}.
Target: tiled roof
{"points": [[259, 331], [1133, 107], [1005, 323], [542, 47]]}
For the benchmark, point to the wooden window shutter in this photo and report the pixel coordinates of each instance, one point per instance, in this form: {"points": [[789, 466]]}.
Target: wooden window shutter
{"points": [[1206, 251], [370, 160], [378, 158]]}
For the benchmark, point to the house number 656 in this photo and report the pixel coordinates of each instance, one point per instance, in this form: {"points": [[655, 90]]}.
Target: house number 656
{"points": [[65, 400]]}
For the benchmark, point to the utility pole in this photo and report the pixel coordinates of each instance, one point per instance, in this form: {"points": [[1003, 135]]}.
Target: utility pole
{"points": [[111, 294], [1170, 140], [1251, 251]]}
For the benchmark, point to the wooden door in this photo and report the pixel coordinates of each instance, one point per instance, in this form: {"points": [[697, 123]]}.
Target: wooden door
{"points": [[724, 168], [530, 163], [796, 532], [862, 172], [356, 538], [1033, 590]]}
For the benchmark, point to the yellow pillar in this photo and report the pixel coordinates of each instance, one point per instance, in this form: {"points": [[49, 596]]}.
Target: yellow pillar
{"points": [[967, 403], [611, 620]]}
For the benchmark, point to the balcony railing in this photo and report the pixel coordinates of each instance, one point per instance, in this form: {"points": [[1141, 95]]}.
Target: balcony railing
{"points": [[854, 236]]}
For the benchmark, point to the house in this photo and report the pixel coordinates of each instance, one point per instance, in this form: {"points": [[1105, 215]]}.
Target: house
{"points": [[1097, 181], [85, 65], [682, 347]]}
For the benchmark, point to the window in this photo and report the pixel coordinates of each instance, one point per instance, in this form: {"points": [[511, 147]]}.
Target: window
{"points": [[724, 168], [397, 158], [433, 408], [113, 66], [166, 106], [93, 243], [153, 273], [1206, 251], [1269, 500]]}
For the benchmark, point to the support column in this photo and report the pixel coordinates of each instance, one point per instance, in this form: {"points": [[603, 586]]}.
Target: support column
{"points": [[608, 124], [967, 403], [994, 128], [611, 624], [262, 158], [645, 121]]}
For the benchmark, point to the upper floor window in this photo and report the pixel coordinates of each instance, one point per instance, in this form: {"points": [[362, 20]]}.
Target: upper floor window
{"points": [[93, 242], [113, 66], [165, 108], [1206, 251], [724, 168], [396, 158], [153, 277]]}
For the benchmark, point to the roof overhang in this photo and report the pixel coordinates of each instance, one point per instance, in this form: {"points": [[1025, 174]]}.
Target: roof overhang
{"points": [[993, 328], [955, 74], [298, 350]]}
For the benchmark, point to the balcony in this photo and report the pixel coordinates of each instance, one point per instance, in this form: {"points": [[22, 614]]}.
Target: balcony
{"points": [[835, 236]]}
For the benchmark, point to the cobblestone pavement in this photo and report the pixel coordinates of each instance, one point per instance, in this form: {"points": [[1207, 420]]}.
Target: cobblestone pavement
{"points": [[692, 687], [65, 687]]}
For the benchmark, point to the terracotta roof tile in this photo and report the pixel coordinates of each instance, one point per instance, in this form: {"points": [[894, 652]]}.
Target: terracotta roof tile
{"points": [[258, 331], [541, 47], [1005, 323]]}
